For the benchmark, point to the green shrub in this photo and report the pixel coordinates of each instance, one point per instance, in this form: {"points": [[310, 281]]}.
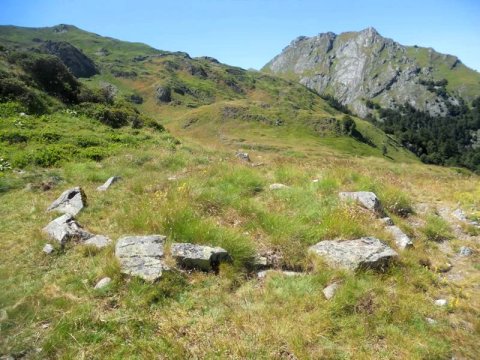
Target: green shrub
{"points": [[94, 153], [52, 155], [396, 201], [436, 229], [13, 137]]}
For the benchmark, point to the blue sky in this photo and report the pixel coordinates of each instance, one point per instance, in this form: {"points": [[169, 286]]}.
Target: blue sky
{"points": [[249, 33]]}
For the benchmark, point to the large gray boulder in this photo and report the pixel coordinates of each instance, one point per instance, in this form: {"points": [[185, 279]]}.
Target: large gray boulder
{"points": [[72, 201], [364, 253], [194, 256], [142, 256], [401, 239], [65, 228], [108, 183], [164, 94], [365, 198]]}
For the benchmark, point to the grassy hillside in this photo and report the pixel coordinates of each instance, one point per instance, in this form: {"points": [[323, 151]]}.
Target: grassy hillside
{"points": [[187, 184]]}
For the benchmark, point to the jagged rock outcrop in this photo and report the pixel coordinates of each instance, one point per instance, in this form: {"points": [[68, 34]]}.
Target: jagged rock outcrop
{"points": [[359, 66], [71, 202], [74, 59], [65, 228], [364, 253]]}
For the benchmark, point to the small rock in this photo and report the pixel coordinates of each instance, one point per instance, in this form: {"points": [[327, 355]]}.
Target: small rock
{"points": [[65, 228], [441, 302], [401, 239], [198, 257], [100, 241], [430, 321], [48, 249], [142, 256], [172, 178], [243, 156], [260, 262], [72, 201], [459, 215], [330, 290], [387, 221], [3, 315], [263, 274], [315, 181], [368, 252], [465, 251], [103, 282], [365, 198], [108, 183], [278, 186]]}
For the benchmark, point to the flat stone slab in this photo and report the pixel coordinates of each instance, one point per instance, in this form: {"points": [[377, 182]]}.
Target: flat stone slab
{"points": [[201, 257], [108, 183], [142, 256], [278, 186], [364, 253], [365, 198], [401, 239], [72, 201], [65, 228], [100, 241]]}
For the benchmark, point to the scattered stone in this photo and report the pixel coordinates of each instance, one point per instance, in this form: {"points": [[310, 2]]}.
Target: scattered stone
{"points": [[142, 256], [172, 178], [278, 186], [366, 198], [48, 249], [3, 315], [72, 201], [194, 256], [243, 156], [108, 183], [441, 302], [65, 228], [430, 321], [260, 262], [368, 252], [330, 290], [465, 251], [315, 181], [103, 282], [100, 241], [263, 274], [459, 215], [444, 268], [401, 239], [387, 221]]}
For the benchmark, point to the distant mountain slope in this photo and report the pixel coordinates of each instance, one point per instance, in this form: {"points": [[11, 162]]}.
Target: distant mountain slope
{"points": [[356, 67], [201, 98]]}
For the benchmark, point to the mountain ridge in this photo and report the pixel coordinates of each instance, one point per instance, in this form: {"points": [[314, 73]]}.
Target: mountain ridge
{"points": [[363, 65]]}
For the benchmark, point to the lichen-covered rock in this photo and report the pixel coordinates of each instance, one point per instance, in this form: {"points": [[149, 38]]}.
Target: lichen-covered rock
{"points": [[142, 256], [465, 251], [401, 239], [243, 156], [365, 198], [71, 201], [108, 183], [364, 253], [201, 257], [99, 241], [65, 228]]}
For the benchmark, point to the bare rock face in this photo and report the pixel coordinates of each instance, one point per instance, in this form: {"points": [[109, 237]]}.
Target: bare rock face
{"points": [[74, 59], [194, 256], [65, 228], [359, 66], [72, 201], [364, 253], [365, 198], [142, 256], [401, 239]]}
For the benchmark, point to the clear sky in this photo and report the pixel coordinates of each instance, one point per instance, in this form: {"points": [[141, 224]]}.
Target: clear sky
{"points": [[249, 33]]}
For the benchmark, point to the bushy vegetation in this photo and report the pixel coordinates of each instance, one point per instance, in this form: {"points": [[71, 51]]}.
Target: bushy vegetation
{"points": [[450, 140]]}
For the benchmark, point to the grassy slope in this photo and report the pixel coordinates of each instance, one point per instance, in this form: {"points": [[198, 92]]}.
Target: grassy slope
{"points": [[48, 302]]}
